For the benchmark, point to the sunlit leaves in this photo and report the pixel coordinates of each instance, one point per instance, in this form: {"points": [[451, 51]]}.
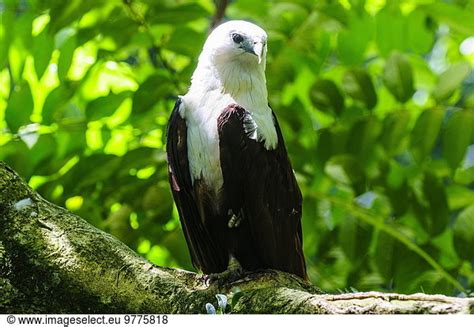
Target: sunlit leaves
{"points": [[352, 42], [459, 196], [390, 30], [20, 42], [154, 88], [66, 49], [458, 18], [450, 80], [420, 36], [105, 106], [104, 167], [64, 13], [398, 77]]}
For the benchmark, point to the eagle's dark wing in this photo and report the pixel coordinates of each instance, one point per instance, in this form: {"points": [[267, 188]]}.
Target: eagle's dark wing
{"points": [[206, 254], [260, 187]]}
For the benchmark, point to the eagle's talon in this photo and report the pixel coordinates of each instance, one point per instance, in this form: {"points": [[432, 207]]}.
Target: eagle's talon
{"points": [[228, 276], [234, 221], [205, 279]]}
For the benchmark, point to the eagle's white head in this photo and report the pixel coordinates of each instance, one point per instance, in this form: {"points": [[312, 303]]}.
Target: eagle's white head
{"points": [[232, 61], [236, 40]]}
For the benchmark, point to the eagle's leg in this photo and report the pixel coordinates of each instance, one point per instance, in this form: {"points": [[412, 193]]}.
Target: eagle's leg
{"points": [[233, 273]]}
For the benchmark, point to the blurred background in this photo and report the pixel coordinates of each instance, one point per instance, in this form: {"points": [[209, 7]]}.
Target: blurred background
{"points": [[375, 99]]}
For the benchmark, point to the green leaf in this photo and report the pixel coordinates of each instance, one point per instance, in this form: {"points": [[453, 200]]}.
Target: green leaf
{"points": [[398, 77], [459, 196], [180, 14], [63, 13], [16, 60], [56, 101], [456, 17], [66, 55], [358, 85], [353, 41], [81, 175], [287, 16], [438, 214], [19, 108], [120, 26], [71, 141], [331, 141], [326, 96], [7, 19], [464, 234], [105, 106], [363, 136], [394, 129], [385, 255], [457, 136], [186, 41], [354, 238], [43, 151], [15, 153], [425, 133], [421, 35], [154, 88], [23, 27], [43, 46], [390, 30], [450, 80], [345, 169]]}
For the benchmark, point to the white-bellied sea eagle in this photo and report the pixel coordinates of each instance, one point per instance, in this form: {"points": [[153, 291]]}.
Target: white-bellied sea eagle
{"points": [[229, 171]]}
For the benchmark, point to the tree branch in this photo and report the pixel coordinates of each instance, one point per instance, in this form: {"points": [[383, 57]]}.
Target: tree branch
{"points": [[221, 6], [53, 261]]}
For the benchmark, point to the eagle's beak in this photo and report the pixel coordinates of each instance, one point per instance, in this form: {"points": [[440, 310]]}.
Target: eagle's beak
{"points": [[256, 48]]}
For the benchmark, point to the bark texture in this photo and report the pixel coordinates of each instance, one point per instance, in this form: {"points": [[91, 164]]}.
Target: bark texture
{"points": [[52, 261]]}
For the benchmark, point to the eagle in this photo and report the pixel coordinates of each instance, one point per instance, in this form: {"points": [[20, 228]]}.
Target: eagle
{"points": [[230, 175]]}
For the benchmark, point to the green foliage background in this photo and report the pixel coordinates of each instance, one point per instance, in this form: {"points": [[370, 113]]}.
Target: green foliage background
{"points": [[375, 100]]}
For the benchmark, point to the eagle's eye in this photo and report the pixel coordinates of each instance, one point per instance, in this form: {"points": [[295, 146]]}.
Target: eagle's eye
{"points": [[237, 38]]}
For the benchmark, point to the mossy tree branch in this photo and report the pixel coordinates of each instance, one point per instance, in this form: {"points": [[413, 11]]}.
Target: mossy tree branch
{"points": [[52, 261]]}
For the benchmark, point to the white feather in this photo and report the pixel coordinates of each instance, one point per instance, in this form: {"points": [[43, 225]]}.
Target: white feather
{"points": [[225, 75]]}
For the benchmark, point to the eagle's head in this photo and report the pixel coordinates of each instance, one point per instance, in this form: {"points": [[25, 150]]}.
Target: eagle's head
{"points": [[232, 62], [237, 40]]}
